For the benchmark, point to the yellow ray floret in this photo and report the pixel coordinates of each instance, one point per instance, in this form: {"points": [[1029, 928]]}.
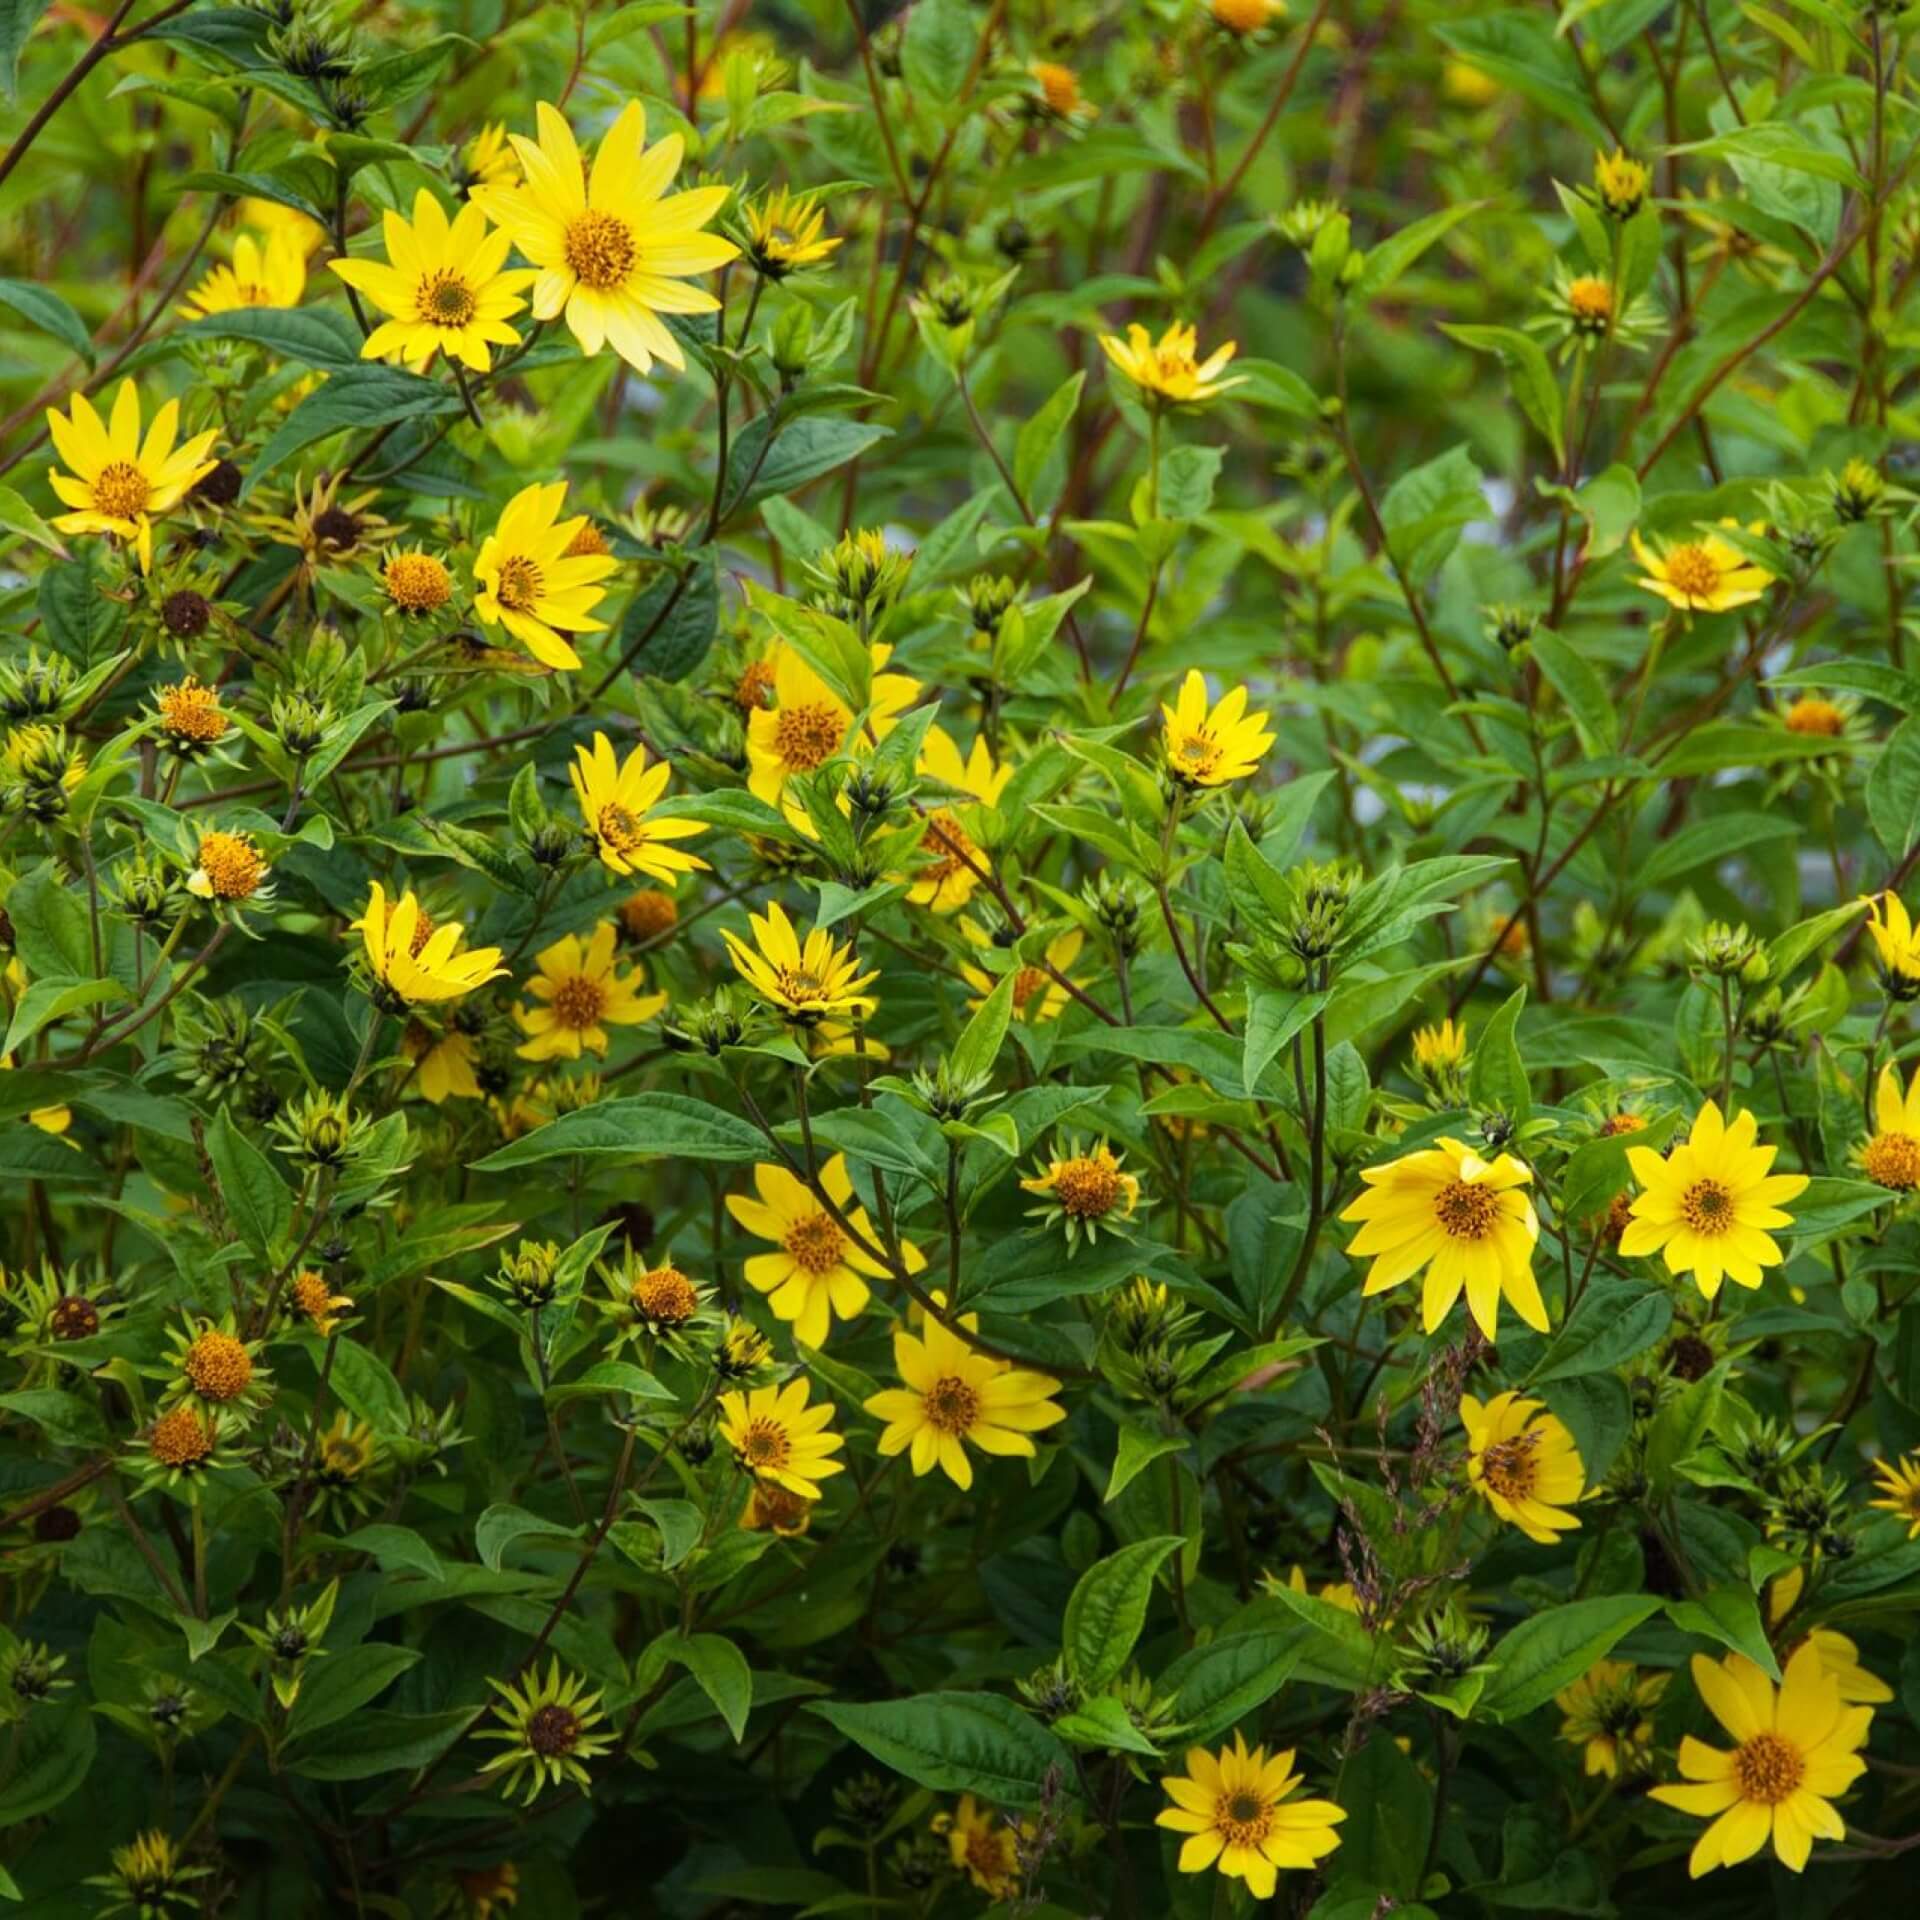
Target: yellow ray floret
{"points": [[117, 483], [615, 800], [531, 584]]}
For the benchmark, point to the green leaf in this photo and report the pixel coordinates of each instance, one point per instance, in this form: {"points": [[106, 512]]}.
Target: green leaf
{"points": [[637, 1127], [1708, 842], [936, 49], [1615, 1320], [978, 1047], [37, 305], [17, 517], [1040, 432], [1139, 1449], [1220, 1684], [1497, 1077], [611, 1376], [1893, 790], [1543, 1653], [255, 1197], [1528, 373], [1580, 686], [1681, 1425], [1426, 510], [501, 1525], [362, 397], [49, 1000], [976, 1743], [1730, 1615], [800, 450], [52, 1757], [395, 1548], [1109, 1608], [376, 1742], [720, 1668], [1388, 259], [365, 1386], [315, 336], [343, 1682]]}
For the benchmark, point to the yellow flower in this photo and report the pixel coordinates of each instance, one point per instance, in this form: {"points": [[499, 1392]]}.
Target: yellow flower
{"points": [[1796, 1750], [1523, 1463], [443, 1064], [1620, 184], [1891, 1156], [229, 867], [1708, 1204], [1238, 1807], [1701, 576], [1037, 993], [53, 1120], [1461, 1218], [1168, 371], [117, 483], [582, 992], [1900, 1490], [802, 983], [954, 862], [1336, 1593], [1208, 747], [416, 582], [530, 584], [1609, 1711], [820, 1270], [778, 1438], [416, 962], [1897, 942], [1441, 1046], [275, 219], [445, 286], [1815, 716], [269, 272], [807, 722], [1059, 91], [551, 1727], [191, 716], [615, 799], [1839, 1656], [487, 160], [982, 1847], [1244, 17], [953, 1396], [612, 254], [784, 234], [1086, 1190]]}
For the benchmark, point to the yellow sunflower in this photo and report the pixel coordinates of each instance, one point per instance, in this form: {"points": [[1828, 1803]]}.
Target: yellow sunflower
{"points": [[1609, 1714], [1208, 747], [781, 1440], [1890, 1156], [785, 233], [1708, 1204], [1169, 371], [982, 1846], [268, 272], [1464, 1220], [117, 483], [581, 993], [952, 860], [952, 1396], [1796, 1750], [805, 983], [487, 160], [1239, 1811], [1858, 1685], [1523, 1463], [819, 1272], [531, 583], [1899, 1490], [1704, 575], [615, 799], [444, 285], [416, 962], [1897, 942], [805, 723], [1037, 992], [612, 254], [1086, 1191]]}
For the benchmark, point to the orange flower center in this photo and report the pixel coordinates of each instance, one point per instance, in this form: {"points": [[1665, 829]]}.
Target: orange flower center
{"points": [[1194, 756], [578, 1003], [647, 914], [417, 582], [619, 827], [815, 1243], [1026, 983], [192, 712], [1811, 714], [181, 1438], [1707, 1207], [445, 300], [521, 583], [1893, 1160], [1694, 571], [954, 853], [218, 1366], [1087, 1187], [766, 1443], [121, 490], [313, 1296], [589, 542], [1768, 1769], [667, 1296], [806, 735], [231, 863], [1590, 301], [952, 1405], [1508, 1466], [1242, 1818], [750, 694], [1466, 1211], [600, 250]]}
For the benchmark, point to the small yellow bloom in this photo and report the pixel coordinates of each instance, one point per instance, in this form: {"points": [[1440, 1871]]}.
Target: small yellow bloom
{"points": [[1891, 1157], [1900, 1490], [784, 234], [191, 716], [230, 867], [1239, 1809], [118, 483], [268, 272], [1168, 370], [1815, 716], [1897, 943], [1609, 1713], [1210, 746], [1436, 1049], [1088, 1191], [804, 983], [1059, 91], [821, 1270], [1620, 184], [1037, 992], [316, 1302], [1461, 1218], [1523, 1463], [1243, 18], [1706, 575], [581, 992], [443, 1064], [1467, 85], [778, 1438], [531, 584], [417, 582], [611, 252], [616, 799], [1708, 1205], [1796, 1751], [952, 1396], [415, 961], [986, 1849], [488, 161], [444, 285]]}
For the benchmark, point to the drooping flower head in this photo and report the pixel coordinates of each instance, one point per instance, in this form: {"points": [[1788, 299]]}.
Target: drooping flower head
{"points": [[1707, 1207], [1523, 1463], [953, 1397], [1796, 1751], [613, 249], [118, 483], [532, 584], [1241, 1816], [1462, 1219]]}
